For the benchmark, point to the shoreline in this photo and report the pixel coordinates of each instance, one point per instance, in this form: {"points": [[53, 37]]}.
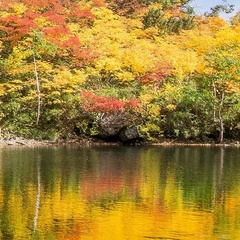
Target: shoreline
{"points": [[90, 142]]}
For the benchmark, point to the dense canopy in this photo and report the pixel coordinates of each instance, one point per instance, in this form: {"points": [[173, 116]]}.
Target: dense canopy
{"points": [[80, 67]]}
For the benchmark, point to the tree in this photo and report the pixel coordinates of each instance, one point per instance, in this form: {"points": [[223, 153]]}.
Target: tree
{"points": [[222, 73], [168, 16], [173, 24], [227, 8], [235, 20], [38, 43]]}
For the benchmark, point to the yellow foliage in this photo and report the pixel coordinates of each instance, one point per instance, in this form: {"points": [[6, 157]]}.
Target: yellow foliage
{"points": [[154, 110], [32, 96], [148, 129], [74, 28], [65, 77], [233, 86], [2, 90], [17, 59], [19, 8], [227, 36], [171, 93], [125, 76], [184, 63], [146, 98], [17, 63], [183, 60], [121, 52], [144, 56], [201, 65], [104, 14], [13, 86], [133, 26], [198, 43], [209, 26], [86, 36], [156, 5], [4, 14], [235, 20], [171, 107], [42, 22], [109, 64], [151, 32], [44, 67]]}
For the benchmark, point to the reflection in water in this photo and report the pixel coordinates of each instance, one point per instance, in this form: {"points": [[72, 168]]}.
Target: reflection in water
{"points": [[38, 193], [120, 193]]}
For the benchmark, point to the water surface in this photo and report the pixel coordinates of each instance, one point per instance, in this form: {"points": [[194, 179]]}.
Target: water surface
{"points": [[103, 193]]}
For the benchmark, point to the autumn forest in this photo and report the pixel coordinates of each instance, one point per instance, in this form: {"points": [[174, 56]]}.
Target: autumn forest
{"points": [[118, 69]]}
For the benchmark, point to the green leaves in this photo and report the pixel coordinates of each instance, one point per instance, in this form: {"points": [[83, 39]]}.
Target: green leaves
{"points": [[223, 68]]}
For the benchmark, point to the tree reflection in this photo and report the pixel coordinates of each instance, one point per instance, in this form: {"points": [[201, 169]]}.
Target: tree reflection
{"points": [[37, 206]]}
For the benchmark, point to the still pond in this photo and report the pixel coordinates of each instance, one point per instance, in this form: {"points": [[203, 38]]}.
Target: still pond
{"points": [[120, 193]]}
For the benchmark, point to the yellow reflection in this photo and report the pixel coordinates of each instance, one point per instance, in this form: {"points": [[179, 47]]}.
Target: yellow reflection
{"points": [[149, 204]]}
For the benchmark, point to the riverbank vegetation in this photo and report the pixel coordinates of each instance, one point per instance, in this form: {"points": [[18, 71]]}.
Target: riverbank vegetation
{"points": [[118, 70]]}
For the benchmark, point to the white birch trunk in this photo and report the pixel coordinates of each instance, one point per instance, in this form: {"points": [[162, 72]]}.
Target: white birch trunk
{"points": [[38, 89]]}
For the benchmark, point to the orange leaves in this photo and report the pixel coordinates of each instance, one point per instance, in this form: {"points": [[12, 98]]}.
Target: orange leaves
{"points": [[132, 104], [92, 102], [98, 3], [53, 17], [72, 42], [45, 5], [82, 14], [72, 46], [52, 21], [16, 23], [15, 27], [96, 103], [54, 34]]}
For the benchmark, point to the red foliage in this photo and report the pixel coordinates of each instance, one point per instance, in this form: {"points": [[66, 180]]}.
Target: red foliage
{"points": [[36, 3], [16, 27], [32, 15], [82, 16], [72, 46], [58, 13], [54, 17], [72, 43], [45, 5], [156, 77], [95, 103], [55, 32], [79, 14], [132, 104], [82, 56]]}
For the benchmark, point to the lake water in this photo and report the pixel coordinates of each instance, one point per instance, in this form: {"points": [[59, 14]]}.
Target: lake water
{"points": [[120, 193]]}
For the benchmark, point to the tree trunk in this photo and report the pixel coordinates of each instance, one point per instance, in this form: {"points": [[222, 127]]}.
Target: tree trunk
{"points": [[218, 119], [221, 123], [38, 89]]}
